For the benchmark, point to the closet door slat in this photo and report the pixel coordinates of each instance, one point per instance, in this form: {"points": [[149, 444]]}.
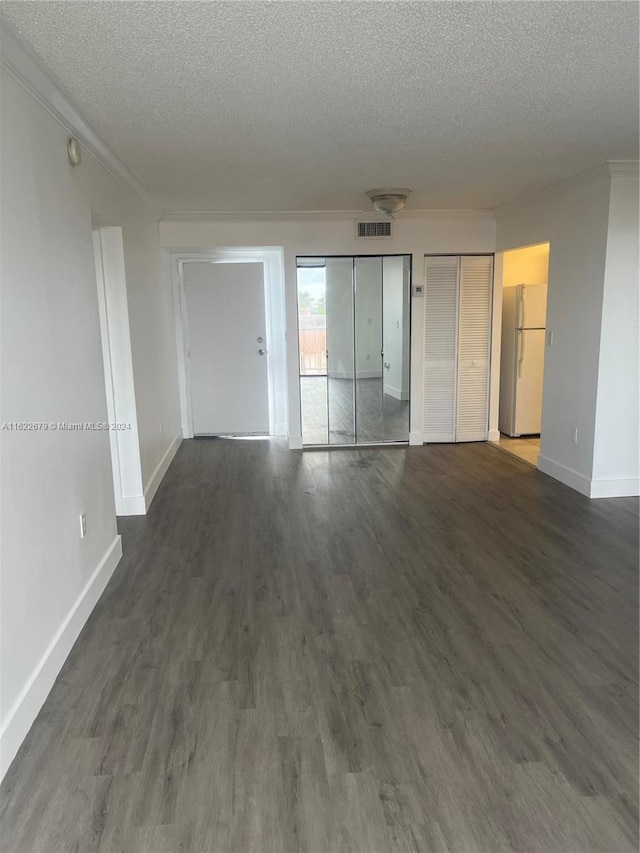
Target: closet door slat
{"points": [[440, 348], [474, 333]]}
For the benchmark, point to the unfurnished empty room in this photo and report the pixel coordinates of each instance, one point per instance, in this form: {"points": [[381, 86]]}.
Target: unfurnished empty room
{"points": [[319, 433]]}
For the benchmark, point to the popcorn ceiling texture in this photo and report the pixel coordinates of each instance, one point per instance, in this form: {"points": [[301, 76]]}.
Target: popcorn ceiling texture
{"points": [[306, 105]]}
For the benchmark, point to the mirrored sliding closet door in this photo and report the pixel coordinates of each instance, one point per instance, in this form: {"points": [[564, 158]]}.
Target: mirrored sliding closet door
{"points": [[353, 331]]}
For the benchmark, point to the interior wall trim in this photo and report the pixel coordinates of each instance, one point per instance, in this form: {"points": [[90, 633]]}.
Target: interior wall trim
{"points": [[624, 168], [610, 168], [622, 487], [155, 479], [134, 505], [305, 215], [21, 64], [573, 479], [32, 697]]}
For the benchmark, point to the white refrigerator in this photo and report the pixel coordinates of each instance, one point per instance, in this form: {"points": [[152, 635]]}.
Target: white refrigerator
{"points": [[524, 310]]}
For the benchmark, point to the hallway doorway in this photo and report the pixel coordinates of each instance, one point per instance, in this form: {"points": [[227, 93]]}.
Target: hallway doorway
{"points": [[524, 340], [113, 309]]}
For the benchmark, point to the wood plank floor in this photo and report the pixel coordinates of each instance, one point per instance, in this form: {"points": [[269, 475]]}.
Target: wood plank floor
{"points": [[526, 448], [421, 649], [336, 412]]}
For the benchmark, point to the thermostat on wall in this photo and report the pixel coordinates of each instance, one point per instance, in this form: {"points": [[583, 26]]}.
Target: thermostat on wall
{"points": [[418, 290]]}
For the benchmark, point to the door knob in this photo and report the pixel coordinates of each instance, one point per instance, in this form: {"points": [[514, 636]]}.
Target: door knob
{"points": [[262, 352]]}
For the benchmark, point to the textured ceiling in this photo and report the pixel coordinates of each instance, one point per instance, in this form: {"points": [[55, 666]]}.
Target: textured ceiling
{"points": [[306, 105]]}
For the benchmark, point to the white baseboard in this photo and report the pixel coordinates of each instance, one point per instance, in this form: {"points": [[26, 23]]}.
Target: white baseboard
{"points": [[161, 469], [396, 393], [624, 487], [566, 475], [494, 435], [133, 505], [295, 442], [31, 699], [360, 374], [439, 438], [390, 391], [416, 438]]}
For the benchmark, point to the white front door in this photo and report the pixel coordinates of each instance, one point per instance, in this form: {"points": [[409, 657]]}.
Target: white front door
{"points": [[227, 348]]}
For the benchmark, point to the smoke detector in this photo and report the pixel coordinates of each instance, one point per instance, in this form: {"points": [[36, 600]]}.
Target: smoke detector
{"points": [[389, 200]]}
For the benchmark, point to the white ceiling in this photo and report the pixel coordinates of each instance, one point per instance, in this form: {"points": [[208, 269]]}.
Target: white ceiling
{"points": [[238, 106]]}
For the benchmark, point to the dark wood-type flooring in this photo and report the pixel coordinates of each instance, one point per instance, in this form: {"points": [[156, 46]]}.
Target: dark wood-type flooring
{"points": [[420, 649], [339, 411]]}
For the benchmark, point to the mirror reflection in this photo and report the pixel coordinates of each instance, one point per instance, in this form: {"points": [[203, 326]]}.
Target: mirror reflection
{"points": [[353, 335]]}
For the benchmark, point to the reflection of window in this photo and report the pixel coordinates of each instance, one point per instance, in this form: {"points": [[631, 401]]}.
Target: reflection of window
{"points": [[312, 321]]}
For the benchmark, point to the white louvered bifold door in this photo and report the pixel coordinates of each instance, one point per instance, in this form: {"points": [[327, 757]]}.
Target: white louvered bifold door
{"points": [[440, 346], [474, 332]]}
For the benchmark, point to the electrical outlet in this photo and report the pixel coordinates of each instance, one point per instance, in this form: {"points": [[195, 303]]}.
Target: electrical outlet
{"points": [[550, 338], [83, 525], [574, 435]]}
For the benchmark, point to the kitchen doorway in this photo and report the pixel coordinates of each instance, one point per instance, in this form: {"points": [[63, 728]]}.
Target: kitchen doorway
{"points": [[524, 340]]}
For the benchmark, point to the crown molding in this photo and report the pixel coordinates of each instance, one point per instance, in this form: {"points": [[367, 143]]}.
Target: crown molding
{"points": [[254, 215], [20, 63], [316, 215], [623, 168], [610, 168]]}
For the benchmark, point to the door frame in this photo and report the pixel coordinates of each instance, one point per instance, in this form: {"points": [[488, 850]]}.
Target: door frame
{"points": [[272, 260], [117, 359]]}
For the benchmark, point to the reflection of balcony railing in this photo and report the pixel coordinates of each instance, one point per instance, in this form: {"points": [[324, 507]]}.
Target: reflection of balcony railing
{"points": [[312, 347]]}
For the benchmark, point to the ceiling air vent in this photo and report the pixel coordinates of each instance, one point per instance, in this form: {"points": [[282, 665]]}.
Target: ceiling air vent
{"points": [[374, 229]]}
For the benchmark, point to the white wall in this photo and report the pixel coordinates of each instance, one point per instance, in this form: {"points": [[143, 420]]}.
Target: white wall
{"points": [[617, 431], [52, 371], [529, 265], [440, 233], [574, 219]]}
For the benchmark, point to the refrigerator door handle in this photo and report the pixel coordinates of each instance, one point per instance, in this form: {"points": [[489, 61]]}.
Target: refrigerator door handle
{"points": [[521, 307], [520, 352]]}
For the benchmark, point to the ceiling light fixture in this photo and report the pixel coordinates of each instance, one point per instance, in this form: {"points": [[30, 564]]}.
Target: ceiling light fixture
{"points": [[389, 201]]}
